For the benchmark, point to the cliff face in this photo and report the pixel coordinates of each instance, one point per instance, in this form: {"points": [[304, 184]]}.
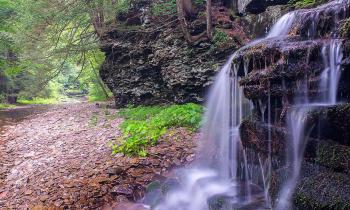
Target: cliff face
{"points": [[149, 62], [158, 67]]}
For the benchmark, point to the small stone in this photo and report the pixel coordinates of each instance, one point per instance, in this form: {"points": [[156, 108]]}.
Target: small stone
{"points": [[122, 190], [28, 192], [44, 198], [114, 171], [190, 158]]}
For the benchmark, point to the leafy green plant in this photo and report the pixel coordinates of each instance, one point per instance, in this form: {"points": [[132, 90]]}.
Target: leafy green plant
{"points": [[122, 6], [143, 126], [199, 2], [164, 7], [93, 119], [38, 101], [220, 38], [5, 106]]}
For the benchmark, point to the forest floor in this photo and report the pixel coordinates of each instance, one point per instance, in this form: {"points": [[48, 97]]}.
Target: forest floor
{"points": [[61, 159]]}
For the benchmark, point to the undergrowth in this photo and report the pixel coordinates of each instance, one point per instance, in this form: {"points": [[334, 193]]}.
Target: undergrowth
{"points": [[168, 7], [143, 126], [38, 101], [220, 38], [5, 106]]}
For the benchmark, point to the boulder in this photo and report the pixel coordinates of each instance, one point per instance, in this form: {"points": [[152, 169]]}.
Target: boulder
{"points": [[256, 6]]}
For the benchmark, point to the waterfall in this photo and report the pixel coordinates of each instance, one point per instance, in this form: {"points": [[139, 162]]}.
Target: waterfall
{"points": [[297, 116], [216, 174], [296, 119], [282, 26], [332, 57], [227, 171]]}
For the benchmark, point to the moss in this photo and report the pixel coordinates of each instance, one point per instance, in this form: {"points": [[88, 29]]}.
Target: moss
{"points": [[345, 28], [299, 4], [324, 191], [333, 156], [153, 186], [220, 38], [6, 106]]}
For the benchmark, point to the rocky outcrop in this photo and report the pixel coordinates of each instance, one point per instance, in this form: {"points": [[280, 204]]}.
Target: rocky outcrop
{"points": [[156, 65], [257, 6], [151, 63], [257, 25], [276, 71]]}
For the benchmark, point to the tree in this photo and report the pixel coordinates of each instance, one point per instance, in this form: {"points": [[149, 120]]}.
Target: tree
{"points": [[185, 7]]}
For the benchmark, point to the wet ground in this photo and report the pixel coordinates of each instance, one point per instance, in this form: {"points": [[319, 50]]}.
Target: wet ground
{"points": [[59, 157], [12, 116]]}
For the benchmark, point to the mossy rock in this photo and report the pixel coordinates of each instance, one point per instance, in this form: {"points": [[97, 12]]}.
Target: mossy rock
{"points": [[324, 191], [303, 4], [334, 156]]}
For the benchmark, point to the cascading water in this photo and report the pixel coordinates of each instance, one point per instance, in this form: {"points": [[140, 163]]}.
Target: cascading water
{"points": [[297, 116], [224, 171], [332, 57], [227, 171], [296, 119], [216, 174]]}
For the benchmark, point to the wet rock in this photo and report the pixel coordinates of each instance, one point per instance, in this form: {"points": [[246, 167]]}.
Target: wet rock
{"points": [[256, 6], [324, 191], [332, 123], [115, 171], [257, 25], [126, 190]]}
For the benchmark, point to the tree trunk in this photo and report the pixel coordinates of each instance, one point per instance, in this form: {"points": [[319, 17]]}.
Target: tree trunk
{"points": [[209, 20], [100, 83], [183, 23], [97, 17]]}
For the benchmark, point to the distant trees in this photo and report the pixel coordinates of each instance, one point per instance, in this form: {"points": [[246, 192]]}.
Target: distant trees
{"points": [[45, 36]]}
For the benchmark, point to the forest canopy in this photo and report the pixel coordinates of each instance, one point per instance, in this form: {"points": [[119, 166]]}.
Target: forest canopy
{"points": [[50, 48]]}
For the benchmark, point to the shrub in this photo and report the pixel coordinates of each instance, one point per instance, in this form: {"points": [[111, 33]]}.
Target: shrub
{"points": [[143, 126], [220, 38], [122, 7], [164, 7]]}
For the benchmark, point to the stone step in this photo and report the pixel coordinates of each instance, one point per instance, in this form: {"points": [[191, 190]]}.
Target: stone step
{"points": [[334, 154]]}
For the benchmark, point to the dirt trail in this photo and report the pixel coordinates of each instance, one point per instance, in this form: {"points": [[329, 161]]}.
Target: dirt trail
{"points": [[61, 159]]}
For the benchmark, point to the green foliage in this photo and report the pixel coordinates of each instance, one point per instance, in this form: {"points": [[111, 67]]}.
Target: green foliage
{"points": [[96, 93], [122, 7], [306, 3], [345, 28], [54, 46], [38, 101], [143, 126], [93, 119], [164, 7], [220, 38], [199, 2], [6, 106]]}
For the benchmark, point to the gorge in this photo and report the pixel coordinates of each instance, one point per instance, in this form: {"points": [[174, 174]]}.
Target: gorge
{"points": [[268, 141]]}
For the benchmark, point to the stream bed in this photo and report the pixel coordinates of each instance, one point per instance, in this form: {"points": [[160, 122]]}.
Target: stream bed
{"points": [[11, 116]]}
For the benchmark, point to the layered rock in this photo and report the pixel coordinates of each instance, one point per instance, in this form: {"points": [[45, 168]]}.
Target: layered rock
{"points": [[151, 63], [274, 72], [257, 6], [156, 65]]}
